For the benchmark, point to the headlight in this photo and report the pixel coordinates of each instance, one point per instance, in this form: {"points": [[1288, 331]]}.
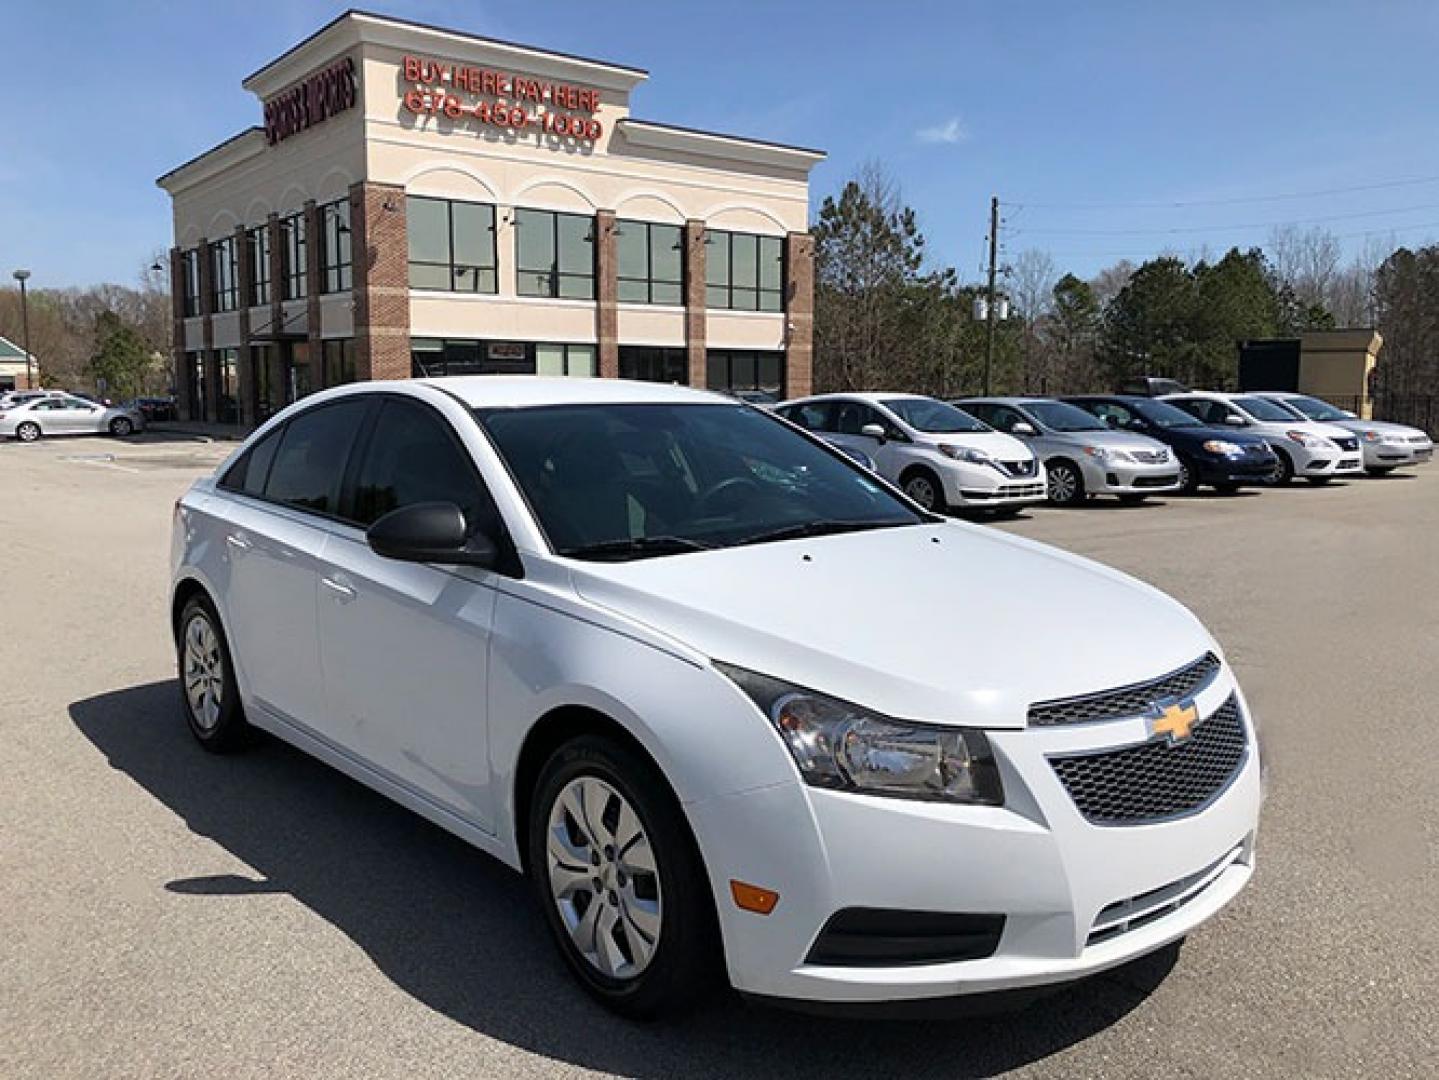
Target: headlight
{"points": [[1312, 442], [1220, 446], [1100, 453], [844, 747], [964, 453], [1396, 440]]}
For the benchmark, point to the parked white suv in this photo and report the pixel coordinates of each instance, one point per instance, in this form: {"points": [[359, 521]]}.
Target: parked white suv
{"points": [[1386, 446], [1318, 452], [940, 456], [732, 704]]}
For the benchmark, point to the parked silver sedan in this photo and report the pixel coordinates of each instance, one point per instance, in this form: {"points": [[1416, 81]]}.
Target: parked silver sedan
{"points": [[65, 414], [1386, 446]]}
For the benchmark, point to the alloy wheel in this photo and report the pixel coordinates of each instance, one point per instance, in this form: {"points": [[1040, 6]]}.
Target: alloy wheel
{"points": [[921, 491], [603, 878], [204, 672], [27, 432], [1063, 484]]}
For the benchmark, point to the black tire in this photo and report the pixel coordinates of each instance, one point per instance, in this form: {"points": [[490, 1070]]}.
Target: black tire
{"points": [[1283, 472], [1070, 486], [1226, 489], [121, 426], [1380, 470], [29, 431], [1132, 499], [687, 958], [225, 730], [924, 488], [1188, 477]]}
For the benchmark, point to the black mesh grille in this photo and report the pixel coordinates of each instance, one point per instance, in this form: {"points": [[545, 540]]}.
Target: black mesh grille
{"points": [[1157, 779], [1350, 443], [1019, 468], [1127, 700]]}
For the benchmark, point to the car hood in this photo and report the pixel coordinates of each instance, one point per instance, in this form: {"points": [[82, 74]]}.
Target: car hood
{"points": [[1309, 427], [947, 623], [995, 443], [1384, 427], [1109, 439], [1198, 435]]}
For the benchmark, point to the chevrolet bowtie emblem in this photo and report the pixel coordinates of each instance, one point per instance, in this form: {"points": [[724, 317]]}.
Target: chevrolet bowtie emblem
{"points": [[1175, 720]]}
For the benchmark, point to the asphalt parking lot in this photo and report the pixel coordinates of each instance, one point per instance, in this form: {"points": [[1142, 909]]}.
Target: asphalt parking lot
{"points": [[168, 913]]}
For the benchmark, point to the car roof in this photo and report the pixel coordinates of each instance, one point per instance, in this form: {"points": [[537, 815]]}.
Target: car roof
{"points": [[1012, 399], [509, 391], [872, 397]]}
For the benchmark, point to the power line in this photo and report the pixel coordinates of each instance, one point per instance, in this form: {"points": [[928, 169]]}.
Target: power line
{"points": [[1194, 229], [1237, 200]]}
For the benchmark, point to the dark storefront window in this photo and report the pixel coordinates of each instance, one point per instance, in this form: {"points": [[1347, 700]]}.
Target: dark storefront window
{"points": [[195, 385], [651, 263], [259, 287], [336, 274], [555, 254], [292, 257], [224, 275], [744, 272], [261, 362], [731, 369], [432, 357], [654, 364], [452, 245], [301, 382], [229, 397], [338, 357], [190, 269]]}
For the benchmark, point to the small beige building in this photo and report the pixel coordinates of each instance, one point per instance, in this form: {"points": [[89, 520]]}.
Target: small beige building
{"points": [[421, 201]]}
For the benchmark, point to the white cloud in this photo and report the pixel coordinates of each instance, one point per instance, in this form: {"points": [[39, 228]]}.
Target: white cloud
{"points": [[949, 132]]}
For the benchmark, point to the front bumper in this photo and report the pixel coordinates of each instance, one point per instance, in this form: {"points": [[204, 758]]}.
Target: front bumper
{"points": [[1077, 898], [1236, 469], [1382, 455], [971, 485], [1130, 478]]}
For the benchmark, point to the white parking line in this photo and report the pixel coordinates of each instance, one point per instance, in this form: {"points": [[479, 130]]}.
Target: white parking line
{"points": [[107, 462]]}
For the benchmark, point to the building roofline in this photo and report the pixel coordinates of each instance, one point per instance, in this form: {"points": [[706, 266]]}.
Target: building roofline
{"points": [[742, 140], [253, 129], [623, 69]]}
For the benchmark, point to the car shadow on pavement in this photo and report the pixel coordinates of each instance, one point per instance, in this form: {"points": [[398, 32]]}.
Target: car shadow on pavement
{"points": [[459, 932]]}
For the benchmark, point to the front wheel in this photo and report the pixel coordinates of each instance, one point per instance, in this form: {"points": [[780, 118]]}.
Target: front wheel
{"points": [[121, 426], [1283, 470], [924, 488], [1188, 477], [620, 880], [29, 431], [1066, 485]]}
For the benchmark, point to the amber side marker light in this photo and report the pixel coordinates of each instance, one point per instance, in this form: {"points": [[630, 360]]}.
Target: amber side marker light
{"points": [[753, 898]]}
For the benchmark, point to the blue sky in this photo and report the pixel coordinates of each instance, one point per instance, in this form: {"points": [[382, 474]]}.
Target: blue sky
{"points": [[1077, 114]]}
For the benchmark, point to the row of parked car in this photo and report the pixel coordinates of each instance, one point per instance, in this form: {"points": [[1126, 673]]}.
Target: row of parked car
{"points": [[29, 415], [1001, 454]]}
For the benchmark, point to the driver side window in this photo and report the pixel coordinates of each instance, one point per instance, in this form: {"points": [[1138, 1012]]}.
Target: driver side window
{"points": [[1116, 416], [853, 416]]}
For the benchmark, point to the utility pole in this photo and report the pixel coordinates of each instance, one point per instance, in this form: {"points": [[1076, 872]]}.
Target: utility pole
{"points": [[989, 302], [21, 276]]}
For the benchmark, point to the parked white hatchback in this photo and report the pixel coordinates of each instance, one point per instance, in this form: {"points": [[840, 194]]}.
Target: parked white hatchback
{"points": [[1318, 452], [941, 457], [1386, 446], [733, 704]]}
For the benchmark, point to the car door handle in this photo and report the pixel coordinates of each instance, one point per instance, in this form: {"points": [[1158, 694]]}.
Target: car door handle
{"points": [[342, 591], [239, 543]]}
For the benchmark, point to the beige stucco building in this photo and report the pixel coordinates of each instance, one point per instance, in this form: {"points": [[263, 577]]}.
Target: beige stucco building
{"points": [[424, 201]]}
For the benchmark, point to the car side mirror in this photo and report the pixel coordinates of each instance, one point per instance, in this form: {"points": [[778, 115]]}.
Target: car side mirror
{"points": [[1236, 421], [874, 431], [1023, 427], [431, 532]]}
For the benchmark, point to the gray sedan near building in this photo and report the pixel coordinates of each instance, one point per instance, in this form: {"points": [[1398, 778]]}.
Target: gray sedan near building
{"points": [[65, 414], [1082, 455]]}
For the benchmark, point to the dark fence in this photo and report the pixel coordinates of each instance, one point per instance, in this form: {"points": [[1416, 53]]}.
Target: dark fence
{"points": [[1416, 410]]}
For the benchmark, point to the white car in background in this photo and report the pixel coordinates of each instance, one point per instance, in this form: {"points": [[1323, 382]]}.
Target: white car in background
{"points": [[1318, 452], [940, 456], [1386, 446], [66, 414]]}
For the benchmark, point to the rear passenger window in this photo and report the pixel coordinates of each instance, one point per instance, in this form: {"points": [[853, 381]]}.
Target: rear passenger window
{"points": [[310, 461], [248, 475], [813, 417], [414, 457]]}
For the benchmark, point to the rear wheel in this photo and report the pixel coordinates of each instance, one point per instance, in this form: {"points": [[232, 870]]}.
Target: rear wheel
{"points": [[620, 880], [121, 426], [207, 680], [924, 487], [1066, 485], [29, 431]]}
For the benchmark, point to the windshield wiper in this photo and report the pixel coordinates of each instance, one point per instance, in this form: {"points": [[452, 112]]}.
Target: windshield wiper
{"points": [[820, 527], [637, 547]]}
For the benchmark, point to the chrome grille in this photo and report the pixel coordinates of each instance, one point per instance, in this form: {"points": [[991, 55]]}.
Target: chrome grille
{"points": [[1126, 701], [1158, 779], [1150, 457]]}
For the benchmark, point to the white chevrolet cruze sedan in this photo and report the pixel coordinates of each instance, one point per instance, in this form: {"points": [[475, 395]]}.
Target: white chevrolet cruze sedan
{"points": [[736, 706]]}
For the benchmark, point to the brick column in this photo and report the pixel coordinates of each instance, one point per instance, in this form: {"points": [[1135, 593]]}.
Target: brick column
{"points": [[379, 244], [249, 403], [607, 293], [312, 294], [183, 404], [799, 315], [209, 369], [695, 308], [278, 387]]}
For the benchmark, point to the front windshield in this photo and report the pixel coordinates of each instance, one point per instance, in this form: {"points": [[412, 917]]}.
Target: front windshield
{"points": [[1061, 416], [624, 481], [932, 417], [1266, 410], [1165, 416], [1316, 409]]}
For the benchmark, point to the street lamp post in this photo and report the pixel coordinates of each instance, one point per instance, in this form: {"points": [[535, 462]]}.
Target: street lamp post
{"points": [[22, 276]]}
